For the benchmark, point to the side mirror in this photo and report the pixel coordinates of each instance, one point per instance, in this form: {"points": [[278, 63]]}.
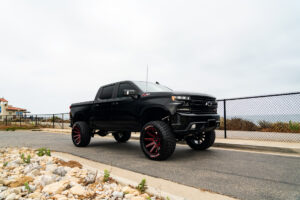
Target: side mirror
{"points": [[129, 92]]}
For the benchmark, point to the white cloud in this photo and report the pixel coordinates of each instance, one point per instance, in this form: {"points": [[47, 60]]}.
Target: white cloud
{"points": [[53, 53]]}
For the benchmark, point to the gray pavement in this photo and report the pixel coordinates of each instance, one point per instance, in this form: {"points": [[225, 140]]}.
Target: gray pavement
{"points": [[239, 174]]}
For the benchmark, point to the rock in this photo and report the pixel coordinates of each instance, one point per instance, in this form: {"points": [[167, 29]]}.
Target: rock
{"points": [[35, 172], [60, 197], [15, 190], [3, 188], [35, 195], [31, 167], [21, 181], [51, 167], [11, 196], [60, 171], [129, 196], [47, 179], [117, 194], [145, 195], [91, 177], [138, 198], [78, 190], [56, 188], [128, 190]]}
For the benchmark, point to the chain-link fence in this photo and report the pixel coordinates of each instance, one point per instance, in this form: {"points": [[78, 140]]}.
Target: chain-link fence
{"points": [[269, 117], [60, 121]]}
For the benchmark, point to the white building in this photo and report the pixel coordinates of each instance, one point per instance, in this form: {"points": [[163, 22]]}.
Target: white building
{"points": [[8, 110]]}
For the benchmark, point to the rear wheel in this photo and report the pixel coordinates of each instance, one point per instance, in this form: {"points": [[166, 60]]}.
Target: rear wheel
{"points": [[201, 140], [122, 137], [81, 134], [157, 140]]}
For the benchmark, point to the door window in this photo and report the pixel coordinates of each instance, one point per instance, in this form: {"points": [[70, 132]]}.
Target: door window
{"points": [[122, 87], [107, 92]]}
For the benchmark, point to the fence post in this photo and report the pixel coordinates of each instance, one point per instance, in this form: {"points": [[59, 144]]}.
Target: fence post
{"points": [[53, 121], [62, 117], [225, 133], [6, 120], [20, 120], [35, 120]]}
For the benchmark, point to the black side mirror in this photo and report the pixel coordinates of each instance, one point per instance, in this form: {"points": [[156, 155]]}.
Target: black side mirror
{"points": [[129, 92]]}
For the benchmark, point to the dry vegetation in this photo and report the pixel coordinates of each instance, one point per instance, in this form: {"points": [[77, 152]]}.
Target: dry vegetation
{"points": [[264, 126]]}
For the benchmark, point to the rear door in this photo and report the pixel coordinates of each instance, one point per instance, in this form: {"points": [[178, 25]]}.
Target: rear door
{"points": [[101, 109], [124, 108]]}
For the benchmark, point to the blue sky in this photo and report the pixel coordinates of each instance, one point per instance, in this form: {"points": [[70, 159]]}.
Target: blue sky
{"points": [[54, 53]]}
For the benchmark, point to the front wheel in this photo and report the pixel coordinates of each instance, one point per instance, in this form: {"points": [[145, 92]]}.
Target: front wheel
{"points": [[81, 134], [201, 140], [122, 137], [157, 140]]}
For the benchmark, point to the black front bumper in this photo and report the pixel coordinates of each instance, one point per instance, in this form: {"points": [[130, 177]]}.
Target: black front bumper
{"points": [[182, 123]]}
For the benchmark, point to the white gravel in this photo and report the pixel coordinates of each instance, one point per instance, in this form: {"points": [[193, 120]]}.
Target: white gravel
{"points": [[48, 177]]}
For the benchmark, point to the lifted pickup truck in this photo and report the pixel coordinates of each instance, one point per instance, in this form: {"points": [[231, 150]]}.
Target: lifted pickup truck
{"points": [[162, 116]]}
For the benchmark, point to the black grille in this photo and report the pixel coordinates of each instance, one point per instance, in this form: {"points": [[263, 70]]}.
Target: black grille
{"points": [[203, 105]]}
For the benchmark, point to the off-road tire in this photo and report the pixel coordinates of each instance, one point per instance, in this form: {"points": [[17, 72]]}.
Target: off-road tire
{"points": [[161, 136], [81, 134], [206, 141], [122, 137]]}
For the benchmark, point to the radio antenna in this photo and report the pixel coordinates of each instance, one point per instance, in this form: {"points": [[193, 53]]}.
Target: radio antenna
{"points": [[147, 79]]}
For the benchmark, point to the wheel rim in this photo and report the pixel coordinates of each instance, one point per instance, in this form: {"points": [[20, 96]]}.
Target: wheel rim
{"points": [[199, 138], [76, 135], [152, 141]]}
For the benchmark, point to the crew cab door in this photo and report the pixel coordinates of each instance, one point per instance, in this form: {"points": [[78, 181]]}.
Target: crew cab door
{"points": [[124, 109], [101, 109]]}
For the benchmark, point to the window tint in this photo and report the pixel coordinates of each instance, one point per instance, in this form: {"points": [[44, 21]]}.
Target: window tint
{"points": [[122, 87], [107, 92]]}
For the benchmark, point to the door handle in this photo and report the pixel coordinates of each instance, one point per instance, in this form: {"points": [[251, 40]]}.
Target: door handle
{"points": [[115, 103]]}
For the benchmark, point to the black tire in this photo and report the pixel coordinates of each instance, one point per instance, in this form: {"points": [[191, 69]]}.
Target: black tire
{"points": [[81, 134], [201, 141], [122, 137], [157, 140]]}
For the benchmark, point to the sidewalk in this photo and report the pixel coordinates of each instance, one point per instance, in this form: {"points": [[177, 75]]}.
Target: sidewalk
{"points": [[254, 145]]}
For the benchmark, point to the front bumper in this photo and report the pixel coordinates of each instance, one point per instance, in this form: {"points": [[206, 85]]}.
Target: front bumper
{"points": [[185, 123]]}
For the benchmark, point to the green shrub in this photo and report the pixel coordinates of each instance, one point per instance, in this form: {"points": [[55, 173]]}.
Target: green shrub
{"points": [[293, 126], [5, 164], [142, 186], [27, 159], [106, 176], [27, 187], [43, 151]]}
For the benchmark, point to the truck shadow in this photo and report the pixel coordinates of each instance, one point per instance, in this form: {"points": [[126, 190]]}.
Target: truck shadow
{"points": [[132, 149]]}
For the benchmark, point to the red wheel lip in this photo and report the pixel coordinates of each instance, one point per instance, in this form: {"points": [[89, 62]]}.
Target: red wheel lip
{"points": [[76, 135], [152, 141]]}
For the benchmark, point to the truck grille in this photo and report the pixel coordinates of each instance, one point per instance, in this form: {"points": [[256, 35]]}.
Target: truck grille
{"points": [[203, 105]]}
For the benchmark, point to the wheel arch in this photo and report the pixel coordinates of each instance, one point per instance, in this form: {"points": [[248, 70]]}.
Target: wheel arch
{"points": [[153, 114]]}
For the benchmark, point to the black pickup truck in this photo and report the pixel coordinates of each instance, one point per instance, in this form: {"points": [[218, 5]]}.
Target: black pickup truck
{"points": [[161, 115]]}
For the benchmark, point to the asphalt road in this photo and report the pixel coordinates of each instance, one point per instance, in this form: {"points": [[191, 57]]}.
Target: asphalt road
{"points": [[239, 174]]}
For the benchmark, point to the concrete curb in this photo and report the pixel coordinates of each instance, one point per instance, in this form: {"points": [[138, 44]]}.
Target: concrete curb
{"points": [[257, 148]]}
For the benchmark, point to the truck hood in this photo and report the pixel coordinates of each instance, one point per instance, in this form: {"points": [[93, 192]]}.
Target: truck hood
{"points": [[179, 93]]}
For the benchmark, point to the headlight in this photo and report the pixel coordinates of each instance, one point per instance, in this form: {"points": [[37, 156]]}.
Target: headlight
{"points": [[180, 98]]}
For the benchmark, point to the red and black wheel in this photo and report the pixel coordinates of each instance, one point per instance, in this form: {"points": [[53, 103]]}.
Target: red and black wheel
{"points": [[81, 134], [157, 140], [201, 140]]}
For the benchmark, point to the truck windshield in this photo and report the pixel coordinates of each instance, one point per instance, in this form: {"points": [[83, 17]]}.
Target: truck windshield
{"points": [[151, 87]]}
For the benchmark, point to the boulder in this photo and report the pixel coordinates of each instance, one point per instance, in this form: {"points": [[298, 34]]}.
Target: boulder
{"points": [[56, 188], [60, 171], [78, 190]]}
